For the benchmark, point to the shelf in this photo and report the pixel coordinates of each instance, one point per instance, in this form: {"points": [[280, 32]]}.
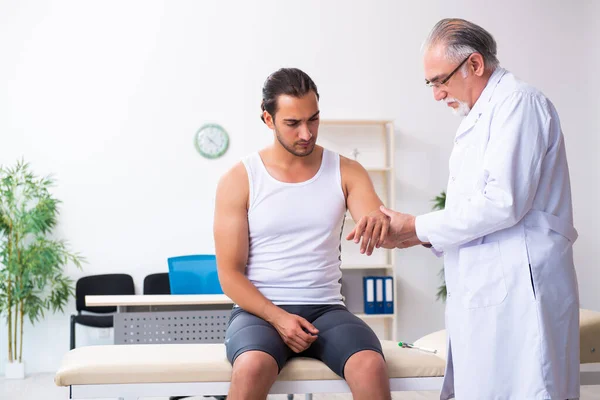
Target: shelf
{"points": [[355, 122], [367, 266], [370, 142], [375, 316]]}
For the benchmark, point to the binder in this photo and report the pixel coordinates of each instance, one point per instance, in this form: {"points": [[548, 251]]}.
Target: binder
{"points": [[369, 294], [388, 295], [379, 295]]}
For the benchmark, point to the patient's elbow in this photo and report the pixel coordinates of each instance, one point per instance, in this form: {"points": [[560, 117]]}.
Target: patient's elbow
{"points": [[227, 278]]}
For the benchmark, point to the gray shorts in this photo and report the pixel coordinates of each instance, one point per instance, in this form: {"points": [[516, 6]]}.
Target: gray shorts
{"points": [[341, 334]]}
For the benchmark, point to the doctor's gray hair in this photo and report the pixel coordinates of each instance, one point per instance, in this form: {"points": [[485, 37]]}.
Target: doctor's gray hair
{"points": [[462, 38]]}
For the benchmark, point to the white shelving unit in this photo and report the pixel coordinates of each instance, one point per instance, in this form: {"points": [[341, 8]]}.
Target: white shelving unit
{"points": [[370, 142]]}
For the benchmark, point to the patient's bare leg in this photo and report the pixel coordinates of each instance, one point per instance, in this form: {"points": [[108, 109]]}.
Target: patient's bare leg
{"points": [[253, 375], [366, 374]]}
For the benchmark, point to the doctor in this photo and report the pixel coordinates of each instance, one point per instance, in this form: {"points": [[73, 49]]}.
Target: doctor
{"points": [[512, 312]]}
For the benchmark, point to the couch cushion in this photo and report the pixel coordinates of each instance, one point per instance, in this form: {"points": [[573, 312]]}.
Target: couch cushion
{"points": [[589, 335], [435, 341], [208, 363]]}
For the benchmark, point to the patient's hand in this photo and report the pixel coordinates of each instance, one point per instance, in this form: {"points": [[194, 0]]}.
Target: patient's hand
{"points": [[293, 330], [373, 228]]}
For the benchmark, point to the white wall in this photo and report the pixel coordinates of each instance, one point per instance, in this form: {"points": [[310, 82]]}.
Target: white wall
{"points": [[107, 96], [584, 161]]}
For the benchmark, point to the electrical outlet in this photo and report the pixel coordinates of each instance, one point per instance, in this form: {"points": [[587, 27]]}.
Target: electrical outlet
{"points": [[104, 333]]}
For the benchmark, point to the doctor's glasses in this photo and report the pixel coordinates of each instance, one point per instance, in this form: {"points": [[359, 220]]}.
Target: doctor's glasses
{"points": [[434, 83]]}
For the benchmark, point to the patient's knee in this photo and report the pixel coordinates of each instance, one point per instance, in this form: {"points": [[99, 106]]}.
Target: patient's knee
{"points": [[365, 364], [254, 366]]}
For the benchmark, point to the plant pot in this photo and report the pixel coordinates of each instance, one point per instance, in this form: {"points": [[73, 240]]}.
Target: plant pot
{"points": [[14, 370]]}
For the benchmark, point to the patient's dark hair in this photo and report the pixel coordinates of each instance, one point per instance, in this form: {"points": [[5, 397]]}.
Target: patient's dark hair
{"points": [[288, 81]]}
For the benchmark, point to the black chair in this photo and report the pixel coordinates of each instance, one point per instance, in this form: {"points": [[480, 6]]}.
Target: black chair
{"points": [[107, 284], [157, 284]]}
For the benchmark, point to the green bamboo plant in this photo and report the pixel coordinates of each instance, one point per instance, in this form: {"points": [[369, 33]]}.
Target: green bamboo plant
{"points": [[32, 263], [439, 203]]}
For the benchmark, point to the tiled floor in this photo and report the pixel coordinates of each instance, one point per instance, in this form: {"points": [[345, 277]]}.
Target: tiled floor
{"points": [[41, 387]]}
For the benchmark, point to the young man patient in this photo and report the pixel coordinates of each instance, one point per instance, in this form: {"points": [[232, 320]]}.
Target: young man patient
{"points": [[278, 223]]}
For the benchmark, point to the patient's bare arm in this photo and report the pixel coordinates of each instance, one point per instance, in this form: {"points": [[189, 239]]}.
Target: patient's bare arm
{"points": [[362, 201]]}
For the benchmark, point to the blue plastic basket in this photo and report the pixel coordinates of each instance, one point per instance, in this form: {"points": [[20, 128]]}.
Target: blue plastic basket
{"points": [[195, 274]]}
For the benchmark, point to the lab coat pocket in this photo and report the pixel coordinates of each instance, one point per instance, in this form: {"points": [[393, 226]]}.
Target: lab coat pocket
{"points": [[482, 275]]}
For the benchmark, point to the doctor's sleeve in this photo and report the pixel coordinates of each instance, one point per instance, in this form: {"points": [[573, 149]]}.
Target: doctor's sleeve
{"points": [[511, 173]]}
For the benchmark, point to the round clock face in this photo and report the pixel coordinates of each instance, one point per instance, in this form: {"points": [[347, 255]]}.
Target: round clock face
{"points": [[211, 141]]}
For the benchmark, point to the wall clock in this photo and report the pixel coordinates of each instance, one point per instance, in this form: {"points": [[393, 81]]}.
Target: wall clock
{"points": [[211, 141]]}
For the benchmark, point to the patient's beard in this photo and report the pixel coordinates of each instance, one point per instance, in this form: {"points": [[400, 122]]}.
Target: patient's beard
{"points": [[302, 152], [462, 110]]}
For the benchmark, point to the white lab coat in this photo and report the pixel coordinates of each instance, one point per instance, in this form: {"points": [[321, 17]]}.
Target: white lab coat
{"points": [[512, 312]]}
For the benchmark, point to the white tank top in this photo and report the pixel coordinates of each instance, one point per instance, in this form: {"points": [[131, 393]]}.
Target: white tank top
{"points": [[295, 234]]}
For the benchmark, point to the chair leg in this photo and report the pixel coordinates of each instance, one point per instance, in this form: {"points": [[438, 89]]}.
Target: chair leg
{"points": [[72, 332]]}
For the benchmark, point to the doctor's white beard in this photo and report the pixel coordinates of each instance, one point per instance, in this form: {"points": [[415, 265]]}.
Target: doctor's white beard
{"points": [[462, 110]]}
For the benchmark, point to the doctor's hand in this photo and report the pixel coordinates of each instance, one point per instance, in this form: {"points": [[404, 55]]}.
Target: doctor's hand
{"points": [[410, 243], [402, 233], [373, 229], [297, 333]]}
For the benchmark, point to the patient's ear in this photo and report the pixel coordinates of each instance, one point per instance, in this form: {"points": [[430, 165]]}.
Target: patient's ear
{"points": [[268, 120]]}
